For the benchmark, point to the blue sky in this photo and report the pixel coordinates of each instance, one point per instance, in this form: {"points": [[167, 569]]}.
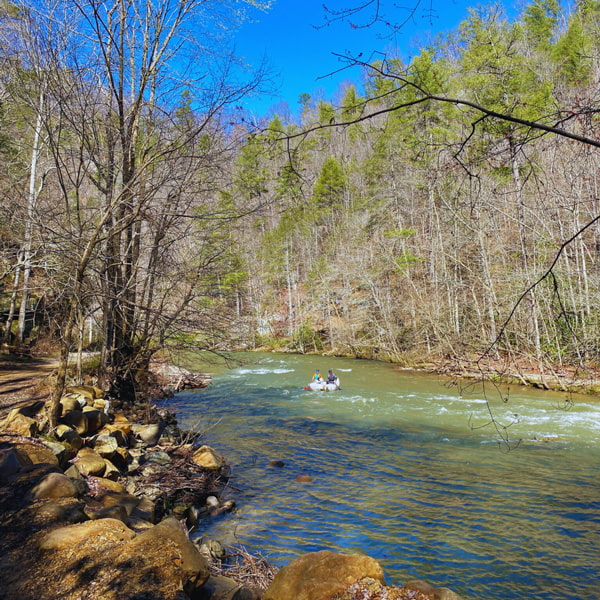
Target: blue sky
{"points": [[301, 55]]}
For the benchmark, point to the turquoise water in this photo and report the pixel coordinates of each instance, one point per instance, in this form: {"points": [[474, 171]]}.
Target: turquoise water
{"points": [[408, 469]]}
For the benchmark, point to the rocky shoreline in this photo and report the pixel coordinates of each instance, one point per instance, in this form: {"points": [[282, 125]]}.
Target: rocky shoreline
{"points": [[103, 509]]}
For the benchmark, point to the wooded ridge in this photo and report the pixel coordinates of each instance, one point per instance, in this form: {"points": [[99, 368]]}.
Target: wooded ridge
{"points": [[441, 209]]}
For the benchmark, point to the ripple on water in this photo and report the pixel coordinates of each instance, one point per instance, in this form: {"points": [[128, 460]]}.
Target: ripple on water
{"points": [[399, 472]]}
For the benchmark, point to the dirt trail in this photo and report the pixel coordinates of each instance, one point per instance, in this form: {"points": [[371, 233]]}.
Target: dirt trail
{"points": [[24, 381]]}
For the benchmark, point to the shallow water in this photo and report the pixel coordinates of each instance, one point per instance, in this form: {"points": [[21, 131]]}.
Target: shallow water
{"points": [[407, 469]]}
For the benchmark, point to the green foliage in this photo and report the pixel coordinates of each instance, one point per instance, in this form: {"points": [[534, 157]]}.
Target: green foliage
{"points": [[330, 186], [540, 20], [306, 339], [572, 53]]}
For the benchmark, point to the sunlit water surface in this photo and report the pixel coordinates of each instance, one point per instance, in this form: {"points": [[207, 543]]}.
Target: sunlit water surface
{"points": [[404, 469]]}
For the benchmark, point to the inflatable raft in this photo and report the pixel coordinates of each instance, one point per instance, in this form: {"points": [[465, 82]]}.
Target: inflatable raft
{"points": [[323, 386]]}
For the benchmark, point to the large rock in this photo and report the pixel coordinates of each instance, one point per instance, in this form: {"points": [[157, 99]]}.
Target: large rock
{"points": [[122, 423], [19, 424], [76, 420], [69, 403], [88, 391], [321, 575], [101, 533], [149, 434], [209, 459], [63, 452], [176, 549], [56, 485], [96, 419], [38, 453], [89, 462], [218, 587], [69, 436], [105, 445]]}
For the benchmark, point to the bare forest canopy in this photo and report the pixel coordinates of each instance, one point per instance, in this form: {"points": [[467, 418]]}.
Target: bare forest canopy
{"points": [[446, 206]]}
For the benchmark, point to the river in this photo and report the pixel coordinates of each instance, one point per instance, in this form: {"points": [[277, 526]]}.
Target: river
{"points": [[410, 470]]}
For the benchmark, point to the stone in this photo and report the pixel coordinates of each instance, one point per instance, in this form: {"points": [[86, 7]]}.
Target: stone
{"points": [[149, 434], [96, 419], [182, 553], [67, 434], [158, 458], [60, 510], [19, 424], [209, 459], [62, 452], [105, 445], [118, 512], [111, 471], [55, 485], [145, 510], [128, 501], [102, 405], [108, 484], [77, 420], [110, 430], [321, 575], [122, 423], [69, 403], [433, 592], [89, 462], [218, 587], [88, 391], [38, 453], [105, 531]]}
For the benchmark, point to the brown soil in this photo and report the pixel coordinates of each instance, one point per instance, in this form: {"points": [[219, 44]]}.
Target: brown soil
{"points": [[24, 381]]}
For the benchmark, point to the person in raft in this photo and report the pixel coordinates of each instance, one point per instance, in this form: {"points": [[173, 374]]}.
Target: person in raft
{"points": [[317, 376], [332, 377]]}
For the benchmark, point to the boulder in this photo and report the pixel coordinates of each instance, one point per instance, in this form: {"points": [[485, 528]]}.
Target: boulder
{"points": [[218, 587], [69, 403], [108, 484], [176, 549], [103, 532], [149, 434], [89, 462], [55, 485], [321, 575], [145, 510], [38, 453], [67, 434], [111, 471], [96, 419], [20, 424], [59, 510], [88, 391], [162, 459], [62, 452], [77, 421], [105, 445], [209, 459], [116, 433], [122, 423]]}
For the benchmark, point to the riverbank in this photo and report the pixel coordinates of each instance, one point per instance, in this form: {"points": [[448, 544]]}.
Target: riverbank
{"points": [[69, 532]]}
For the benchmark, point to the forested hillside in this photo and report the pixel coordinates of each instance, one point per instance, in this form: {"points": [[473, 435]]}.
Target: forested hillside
{"points": [[440, 207], [406, 226]]}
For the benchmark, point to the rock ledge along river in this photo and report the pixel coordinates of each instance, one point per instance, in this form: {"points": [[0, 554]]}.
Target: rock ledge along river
{"points": [[407, 469]]}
